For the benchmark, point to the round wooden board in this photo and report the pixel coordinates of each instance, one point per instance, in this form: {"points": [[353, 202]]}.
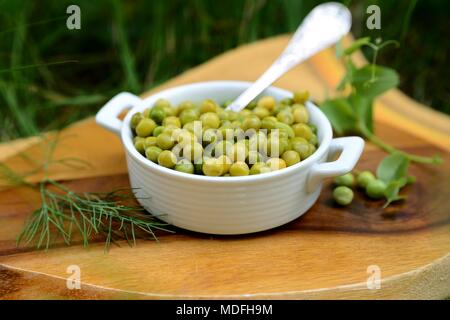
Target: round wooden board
{"points": [[328, 253]]}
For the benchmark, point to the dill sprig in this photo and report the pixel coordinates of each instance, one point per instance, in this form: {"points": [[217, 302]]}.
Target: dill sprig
{"points": [[70, 215], [65, 213]]}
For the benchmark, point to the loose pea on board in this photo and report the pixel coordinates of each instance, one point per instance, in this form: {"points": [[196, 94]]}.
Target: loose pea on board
{"points": [[268, 135]]}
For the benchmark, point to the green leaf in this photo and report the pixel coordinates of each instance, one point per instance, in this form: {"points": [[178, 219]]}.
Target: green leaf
{"points": [[392, 168], [372, 80], [341, 115], [356, 45], [392, 190], [363, 107]]}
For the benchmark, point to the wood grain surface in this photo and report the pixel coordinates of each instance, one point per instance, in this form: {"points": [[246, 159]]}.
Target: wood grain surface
{"points": [[324, 254]]}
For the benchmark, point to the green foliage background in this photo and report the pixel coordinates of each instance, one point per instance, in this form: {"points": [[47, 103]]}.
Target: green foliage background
{"points": [[135, 45]]}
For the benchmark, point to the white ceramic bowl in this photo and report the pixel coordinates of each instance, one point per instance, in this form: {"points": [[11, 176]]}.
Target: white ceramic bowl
{"points": [[228, 205]]}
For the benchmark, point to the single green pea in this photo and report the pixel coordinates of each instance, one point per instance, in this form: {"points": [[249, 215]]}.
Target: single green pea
{"points": [[188, 115], [139, 144], [145, 127], [261, 112], [343, 195], [239, 168], [152, 153], [172, 121], [167, 159], [291, 157], [135, 119], [301, 96], [158, 130], [165, 141], [163, 103], [251, 122], [269, 123], [302, 130], [150, 142], [346, 180], [375, 189], [211, 167], [363, 179], [185, 166], [244, 114], [210, 120], [266, 102], [302, 146], [285, 116], [225, 162], [276, 164], [157, 114], [209, 105], [300, 113]]}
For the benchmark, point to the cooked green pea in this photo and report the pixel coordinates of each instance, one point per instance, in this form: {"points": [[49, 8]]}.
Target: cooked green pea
{"points": [[211, 167], [276, 164], [239, 168], [172, 121], [167, 159], [209, 106], [135, 119], [149, 142], [152, 153], [158, 130], [302, 130], [347, 180], [300, 113], [163, 103], [157, 114], [225, 162], [375, 189], [301, 96], [145, 127], [165, 141], [188, 115], [343, 195], [251, 122], [364, 178], [185, 166], [139, 144], [210, 120], [285, 116], [269, 123], [261, 112], [266, 102], [291, 157]]}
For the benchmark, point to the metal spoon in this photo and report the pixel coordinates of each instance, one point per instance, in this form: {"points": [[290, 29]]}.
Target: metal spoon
{"points": [[323, 26]]}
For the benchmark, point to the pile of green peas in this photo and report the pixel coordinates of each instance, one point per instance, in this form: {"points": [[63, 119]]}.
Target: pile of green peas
{"points": [[365, 180], [206, 139]]}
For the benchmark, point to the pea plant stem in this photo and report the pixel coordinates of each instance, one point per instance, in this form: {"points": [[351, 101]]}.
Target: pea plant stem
{"points": [[388, 148]]}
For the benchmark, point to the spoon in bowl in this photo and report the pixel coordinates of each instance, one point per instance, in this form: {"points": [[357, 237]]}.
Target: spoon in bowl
{"points": [[325, 25]]}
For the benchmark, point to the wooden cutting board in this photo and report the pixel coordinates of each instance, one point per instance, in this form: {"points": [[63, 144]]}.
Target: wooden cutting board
{"points": [[327, 253]]}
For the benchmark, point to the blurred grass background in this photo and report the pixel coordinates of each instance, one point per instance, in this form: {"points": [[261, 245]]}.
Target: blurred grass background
{"points": [[51, 76]]}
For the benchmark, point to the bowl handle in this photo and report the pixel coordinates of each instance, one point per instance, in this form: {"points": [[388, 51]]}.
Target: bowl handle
{"points": [[107, 116], [350, 148]]}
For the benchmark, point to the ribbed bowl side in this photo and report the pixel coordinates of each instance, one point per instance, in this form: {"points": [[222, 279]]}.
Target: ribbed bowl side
{"points": [[222, 208]]}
